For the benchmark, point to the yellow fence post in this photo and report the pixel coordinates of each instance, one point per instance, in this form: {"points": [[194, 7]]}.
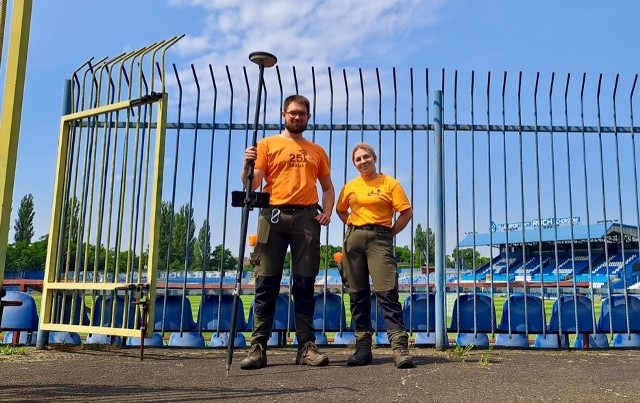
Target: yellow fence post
{"points": [[11, 114]]}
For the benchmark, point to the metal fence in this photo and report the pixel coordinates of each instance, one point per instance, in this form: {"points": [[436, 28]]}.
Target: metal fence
{"points": [[524, 188]]}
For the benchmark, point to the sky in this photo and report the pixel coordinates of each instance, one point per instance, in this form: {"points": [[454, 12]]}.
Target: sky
{"points": [[573, 36]]}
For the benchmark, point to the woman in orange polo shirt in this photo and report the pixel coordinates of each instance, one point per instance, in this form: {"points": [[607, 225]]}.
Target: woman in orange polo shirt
{"points": [[367, 205]]}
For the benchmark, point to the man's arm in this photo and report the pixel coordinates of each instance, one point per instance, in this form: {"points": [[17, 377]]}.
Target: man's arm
{"points": [[328, 200]]}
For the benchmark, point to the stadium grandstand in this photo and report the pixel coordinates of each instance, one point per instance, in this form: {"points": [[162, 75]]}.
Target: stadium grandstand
{"points": [[599, 255]]}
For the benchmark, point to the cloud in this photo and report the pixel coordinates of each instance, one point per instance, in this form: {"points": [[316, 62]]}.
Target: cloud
{"points": [[315, 32]]}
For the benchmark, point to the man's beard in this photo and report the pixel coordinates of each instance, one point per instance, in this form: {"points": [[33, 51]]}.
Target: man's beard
{"points": [[295, 128]]}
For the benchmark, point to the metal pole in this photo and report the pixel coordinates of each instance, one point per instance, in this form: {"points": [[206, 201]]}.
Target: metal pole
{"points": [[11, 116], [262, 59], [43, 335], [439, 221]]}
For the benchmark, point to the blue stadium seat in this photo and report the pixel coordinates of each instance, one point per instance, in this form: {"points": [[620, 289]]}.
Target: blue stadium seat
{"points": [[522, 314], [68, 338], [335, 319], [177, 315], [613, 314], [68, 304], [563, 315], [597, 340], [626, 340], [153, 341], [550, 341], [473, 316], [186, 339], [377, 319], [103, 314], [222, 340], [419, 312], [22, 317], [208, 313], [283, 320], [470, 306], [95, 338], [26, 338], [345, 338]]}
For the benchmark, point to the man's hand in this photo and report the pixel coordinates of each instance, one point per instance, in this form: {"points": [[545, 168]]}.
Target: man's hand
{"points": [[323, 219], [250, 154]]}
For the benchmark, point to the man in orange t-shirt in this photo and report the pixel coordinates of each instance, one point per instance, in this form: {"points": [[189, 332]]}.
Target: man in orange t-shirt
{"points": [[291, 166]]}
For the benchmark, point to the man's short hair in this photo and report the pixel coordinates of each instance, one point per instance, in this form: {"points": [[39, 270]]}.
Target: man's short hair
{"points": [[298, 99]]}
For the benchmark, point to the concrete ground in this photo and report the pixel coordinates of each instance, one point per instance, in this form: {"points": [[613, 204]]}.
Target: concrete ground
{"points": [[109, 374]]}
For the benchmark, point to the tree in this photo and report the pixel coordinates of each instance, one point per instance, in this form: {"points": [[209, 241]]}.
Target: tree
{"points": [[425, 244], [467, 258], [166, 215], [23, 225], [403, 256], [202, 248], [223, 260], [182, 241]]}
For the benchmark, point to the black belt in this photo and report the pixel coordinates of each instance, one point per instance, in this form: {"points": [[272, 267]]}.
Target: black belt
{"points": [[292, 208], [372, 227]]}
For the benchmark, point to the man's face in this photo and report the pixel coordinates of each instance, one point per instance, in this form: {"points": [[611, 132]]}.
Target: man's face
{"points": [[296, 118]]}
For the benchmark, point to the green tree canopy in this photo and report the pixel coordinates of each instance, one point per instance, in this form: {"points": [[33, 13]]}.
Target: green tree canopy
{"points": [[23, 225]]}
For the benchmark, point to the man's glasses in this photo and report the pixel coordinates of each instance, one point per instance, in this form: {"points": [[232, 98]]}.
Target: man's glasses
{"points": [[297, 114]]}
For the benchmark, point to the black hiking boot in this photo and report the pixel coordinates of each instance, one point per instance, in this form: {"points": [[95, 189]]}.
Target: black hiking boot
{"points": [[362, 356]]}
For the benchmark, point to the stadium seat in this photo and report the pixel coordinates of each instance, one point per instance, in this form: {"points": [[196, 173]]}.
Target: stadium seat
{"points": [[345, 338], [598, 340], [626, 340], [208, 313], [68, 338], [22, 317], [335, 319], [377, 319], [173, 314], [186, 339], [94, 338], [522, 314], [419, 312], [26, 338], [283, 321], [550, 341], [153, 341], [473, 316], [613, 314], [222, 340], [103, 308], [563, 315], [68, 304], [512, 340]]}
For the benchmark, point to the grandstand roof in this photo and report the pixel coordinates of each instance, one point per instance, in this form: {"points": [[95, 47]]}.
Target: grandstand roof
{"points": [[553, 234]]}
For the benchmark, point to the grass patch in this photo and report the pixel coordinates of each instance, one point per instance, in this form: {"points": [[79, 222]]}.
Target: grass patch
{"points": [[10, 350]]}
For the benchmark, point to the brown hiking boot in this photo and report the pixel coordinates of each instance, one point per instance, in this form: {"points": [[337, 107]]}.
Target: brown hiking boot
{"points": [[402, 358], [362, 356], [256, 358], [308, 354]]}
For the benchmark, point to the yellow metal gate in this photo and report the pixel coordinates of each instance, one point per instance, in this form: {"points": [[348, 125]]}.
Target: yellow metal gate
{"points": [[103, 243]]}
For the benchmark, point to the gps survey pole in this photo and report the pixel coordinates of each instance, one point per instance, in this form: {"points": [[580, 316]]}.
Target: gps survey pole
{"points": [[248, 199]]}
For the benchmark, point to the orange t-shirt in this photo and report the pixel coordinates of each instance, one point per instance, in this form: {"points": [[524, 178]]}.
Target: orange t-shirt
{"points": [[291, 169], [372, 201]]}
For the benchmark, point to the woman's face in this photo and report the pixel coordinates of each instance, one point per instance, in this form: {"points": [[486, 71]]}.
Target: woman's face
{"points": [[364, 162]]}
